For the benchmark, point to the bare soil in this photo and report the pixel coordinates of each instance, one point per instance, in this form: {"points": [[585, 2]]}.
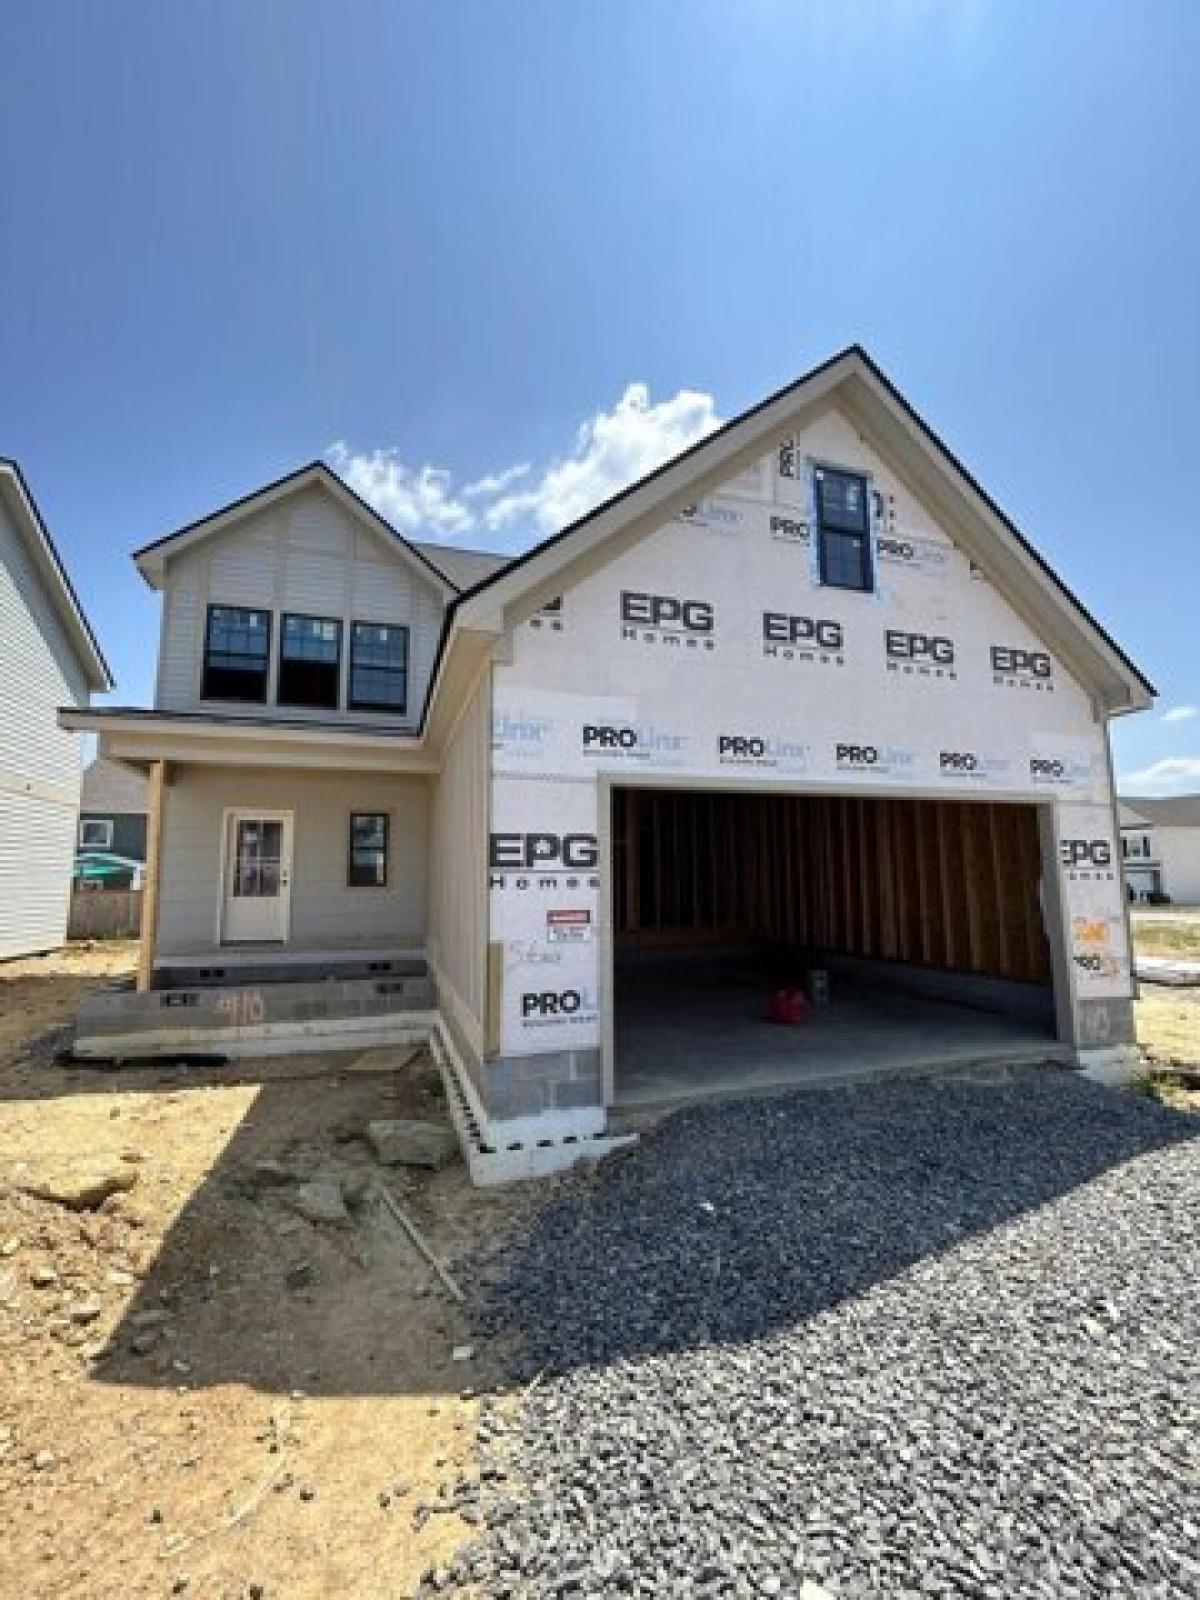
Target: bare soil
{"points": [[202, 1393], [1167, 932]]}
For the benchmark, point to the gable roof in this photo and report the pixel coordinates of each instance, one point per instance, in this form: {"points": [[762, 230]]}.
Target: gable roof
{"points": [[31, 527], [1168, 811], [151, 559], [853, 381]]}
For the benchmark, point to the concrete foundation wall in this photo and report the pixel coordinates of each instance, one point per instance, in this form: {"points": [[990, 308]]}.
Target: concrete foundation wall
{"points": [[324, 911]]}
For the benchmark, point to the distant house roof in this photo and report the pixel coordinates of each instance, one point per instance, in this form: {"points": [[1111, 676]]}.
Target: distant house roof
{"points": [[16, 495], [1170, 811], [112, 789], [463, 568]]}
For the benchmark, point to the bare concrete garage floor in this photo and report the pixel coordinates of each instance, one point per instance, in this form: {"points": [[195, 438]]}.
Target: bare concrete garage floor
{"points": [[691, 1028]]}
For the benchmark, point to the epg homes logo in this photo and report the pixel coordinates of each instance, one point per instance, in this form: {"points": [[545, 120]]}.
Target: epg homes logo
{"points": [[543, 861], [873, 759], [550, 1008], [1056, 772], [791, 530], [751, 750], [1087, 860], [790, 638], [971, 764], [666, 619], [927, 655], [1014, 668], [627, 742]]}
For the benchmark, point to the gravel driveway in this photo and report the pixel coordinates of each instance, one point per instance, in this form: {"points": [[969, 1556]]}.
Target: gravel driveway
{"points": [[915, 1339]]}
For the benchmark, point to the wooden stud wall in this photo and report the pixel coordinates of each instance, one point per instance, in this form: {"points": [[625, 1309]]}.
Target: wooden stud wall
{"points": [[942, 883]]}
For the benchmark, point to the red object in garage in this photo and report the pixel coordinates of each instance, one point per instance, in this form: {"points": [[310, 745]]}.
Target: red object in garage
{"points": [[789, 1006]]}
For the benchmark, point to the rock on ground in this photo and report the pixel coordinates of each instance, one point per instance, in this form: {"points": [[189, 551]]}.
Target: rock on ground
{"points": [[79, 1185], [321, 1200], [411, 1144], [919, 1339]]}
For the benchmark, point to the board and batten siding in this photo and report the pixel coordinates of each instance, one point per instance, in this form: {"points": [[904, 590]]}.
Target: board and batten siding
{"points": [[40, 763], [325, 912], [304, 554], [459, 822]]}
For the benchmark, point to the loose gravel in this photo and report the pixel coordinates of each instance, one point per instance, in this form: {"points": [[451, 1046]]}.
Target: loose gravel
{"points": [[917, 1339]]}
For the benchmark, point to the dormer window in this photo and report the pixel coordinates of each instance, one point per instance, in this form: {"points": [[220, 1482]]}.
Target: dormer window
{"points": [[310, 662], [237, 648], [843, 529]]}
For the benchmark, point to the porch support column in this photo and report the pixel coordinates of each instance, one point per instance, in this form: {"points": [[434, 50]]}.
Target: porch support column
{"points": [[149, 939]]}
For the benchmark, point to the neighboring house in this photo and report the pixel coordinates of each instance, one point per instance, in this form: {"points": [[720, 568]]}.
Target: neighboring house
{"points": [[110, 851], [803, 689], [48, 657], [1160, 846]]}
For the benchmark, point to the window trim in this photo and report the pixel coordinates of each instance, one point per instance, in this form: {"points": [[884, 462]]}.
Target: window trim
{"points": [[353, 704], [868, 585], [308, 616], [383, 882], [232, 605], [95, 822]]}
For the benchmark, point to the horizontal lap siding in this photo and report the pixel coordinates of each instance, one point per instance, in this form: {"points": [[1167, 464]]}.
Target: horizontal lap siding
{"points": [[324, 909], [459, 832], [40, 763], [305, 554]]}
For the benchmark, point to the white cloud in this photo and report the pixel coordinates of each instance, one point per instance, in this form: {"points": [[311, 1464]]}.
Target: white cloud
{"points": [[494, 482], [1171, 774], [421, 502], [613, 449], [1180, 714], [610, 451]]}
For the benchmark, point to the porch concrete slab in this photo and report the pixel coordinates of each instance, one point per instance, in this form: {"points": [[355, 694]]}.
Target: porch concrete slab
{"points": [[690, 1031]]}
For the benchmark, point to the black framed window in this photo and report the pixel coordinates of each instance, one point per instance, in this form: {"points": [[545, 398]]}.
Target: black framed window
{"points": [[237, 648], [843, 529], [367, 868], [310, 660], [378, 667]]}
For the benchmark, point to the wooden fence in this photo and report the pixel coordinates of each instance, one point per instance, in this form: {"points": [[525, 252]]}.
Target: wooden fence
{"points": [[105, 913]]}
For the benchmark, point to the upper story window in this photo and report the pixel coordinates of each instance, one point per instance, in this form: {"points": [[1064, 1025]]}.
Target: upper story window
{"points": [[95, 833], [310, 660], [843, 529], [237, 648], [378, 667]]}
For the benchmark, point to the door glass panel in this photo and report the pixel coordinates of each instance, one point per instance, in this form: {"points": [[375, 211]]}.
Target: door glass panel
{"points": [[257, 858]]}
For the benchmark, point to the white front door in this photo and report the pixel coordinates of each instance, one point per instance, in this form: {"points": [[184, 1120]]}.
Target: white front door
{"points": [[256, 896]]}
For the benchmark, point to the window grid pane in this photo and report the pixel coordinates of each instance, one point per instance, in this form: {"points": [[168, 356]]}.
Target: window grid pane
{"points": [[236, 647], [367, 867], [843, 523], [378, 666]]}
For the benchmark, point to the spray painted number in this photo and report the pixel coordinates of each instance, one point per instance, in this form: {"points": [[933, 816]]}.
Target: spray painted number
{"points": [[243, 1007]]}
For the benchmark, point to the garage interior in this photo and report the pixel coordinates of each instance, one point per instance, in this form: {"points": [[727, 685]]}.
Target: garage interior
{"points": [[924, 916]]}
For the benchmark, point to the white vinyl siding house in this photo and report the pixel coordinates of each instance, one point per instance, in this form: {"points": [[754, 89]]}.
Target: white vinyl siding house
{"points": [[47, 660], [1160, 847]]}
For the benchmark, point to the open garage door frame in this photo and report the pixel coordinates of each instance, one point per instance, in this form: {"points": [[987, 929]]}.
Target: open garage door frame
{"points": [[1053, 905]]}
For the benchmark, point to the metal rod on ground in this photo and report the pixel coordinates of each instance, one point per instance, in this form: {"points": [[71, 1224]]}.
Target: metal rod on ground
{"points": [[410, 1228]]}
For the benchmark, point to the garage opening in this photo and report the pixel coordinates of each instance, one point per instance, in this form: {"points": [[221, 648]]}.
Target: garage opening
{"points": [[913, 930]]}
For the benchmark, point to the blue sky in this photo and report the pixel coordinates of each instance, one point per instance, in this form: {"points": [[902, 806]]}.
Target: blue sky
{"points": [[440, 240]]}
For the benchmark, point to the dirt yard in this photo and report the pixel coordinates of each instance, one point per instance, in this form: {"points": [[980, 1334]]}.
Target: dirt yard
{"points": [[203, 1393], [1170, 931]]}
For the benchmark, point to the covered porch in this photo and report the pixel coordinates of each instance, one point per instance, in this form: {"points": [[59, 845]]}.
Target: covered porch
{"points": [[277, 852]]}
